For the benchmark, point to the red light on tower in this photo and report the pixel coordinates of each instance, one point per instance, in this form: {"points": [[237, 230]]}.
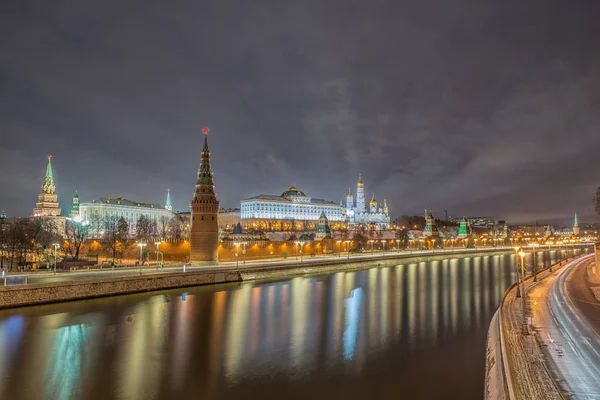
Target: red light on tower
{"points": [[205, 130], [49, 156]]}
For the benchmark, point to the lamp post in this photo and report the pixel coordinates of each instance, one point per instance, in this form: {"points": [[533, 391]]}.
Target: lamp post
{"points": [[56, 246], [157, 251], [237, 251], [524, 329], [398, 245], [348, 248], [244, 250], [517, 248], [372, 241], [535, 246], [301, 244], [383, 243], [141, 246], [339, 242], [433, 245]]}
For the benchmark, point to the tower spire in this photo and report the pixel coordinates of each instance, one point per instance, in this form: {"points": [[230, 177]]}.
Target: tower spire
{"points": [[205, 173], [204, 235], [48, 186], [168, 203]]}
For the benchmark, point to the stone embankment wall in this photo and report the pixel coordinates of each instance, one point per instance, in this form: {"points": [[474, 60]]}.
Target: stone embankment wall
{"points": [[23, 295]]}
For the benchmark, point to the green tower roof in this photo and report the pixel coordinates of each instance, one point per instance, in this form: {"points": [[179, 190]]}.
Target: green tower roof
{"points": [[205, 173], [48, 186]]}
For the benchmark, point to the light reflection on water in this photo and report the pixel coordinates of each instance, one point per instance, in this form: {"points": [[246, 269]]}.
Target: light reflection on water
{"points": [[350, 333]]}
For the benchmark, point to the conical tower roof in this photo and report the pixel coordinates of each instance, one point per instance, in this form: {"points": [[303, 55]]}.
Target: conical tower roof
{"points": [[205, 173], [168, 203], [48, 186], [575, 221]]}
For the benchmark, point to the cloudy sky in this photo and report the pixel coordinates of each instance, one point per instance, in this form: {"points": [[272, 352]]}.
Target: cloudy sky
{"points": [[471, 106]]}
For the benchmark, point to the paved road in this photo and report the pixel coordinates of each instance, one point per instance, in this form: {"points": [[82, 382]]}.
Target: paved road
{"points": [[49, 277], [571, 345]]}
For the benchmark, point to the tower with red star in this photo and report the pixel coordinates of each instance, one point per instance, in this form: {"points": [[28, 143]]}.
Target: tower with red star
{"points": [[204, 235]]}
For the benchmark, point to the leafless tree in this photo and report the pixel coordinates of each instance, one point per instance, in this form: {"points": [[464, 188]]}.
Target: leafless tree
{"points": [[76, 235], [115, 232]]}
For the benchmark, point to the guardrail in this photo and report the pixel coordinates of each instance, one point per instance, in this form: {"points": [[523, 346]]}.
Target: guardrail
{"points": [[505, 364]]}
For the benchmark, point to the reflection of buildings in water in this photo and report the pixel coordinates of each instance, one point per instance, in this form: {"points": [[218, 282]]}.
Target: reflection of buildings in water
{"points": [[411, 294], [300, 296], [352, 305], [11, 331], [237, 329], [453, 283], [67, 362], [183, 311], [434, 309], [143, 344]]}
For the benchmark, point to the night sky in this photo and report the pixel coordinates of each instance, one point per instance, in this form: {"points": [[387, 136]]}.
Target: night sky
{"points": [[473, 106]]}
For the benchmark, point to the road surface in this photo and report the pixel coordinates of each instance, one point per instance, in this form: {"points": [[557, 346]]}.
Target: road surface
{"points": [[565, 315]]}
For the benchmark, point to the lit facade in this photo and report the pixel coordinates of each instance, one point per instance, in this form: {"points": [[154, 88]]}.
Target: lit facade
{"points": [[96, 211], [293, 204], [356, 211], [47, 201], [295, 210]]}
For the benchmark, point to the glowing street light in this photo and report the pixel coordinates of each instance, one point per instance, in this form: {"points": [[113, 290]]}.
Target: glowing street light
{"points": [[339, 242], [524, 329], [237, 251], [372, 241], [348, 248], [157, 251], [535, 246], [141, 246], [56, 247], [517, 248], [301, 244]]}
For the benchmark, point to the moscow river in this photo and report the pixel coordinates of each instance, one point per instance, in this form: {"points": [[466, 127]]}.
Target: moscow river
{"points": [[408, 331]]}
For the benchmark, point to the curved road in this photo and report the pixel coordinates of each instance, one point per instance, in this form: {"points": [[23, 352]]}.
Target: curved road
{"points": [[567, 318]]}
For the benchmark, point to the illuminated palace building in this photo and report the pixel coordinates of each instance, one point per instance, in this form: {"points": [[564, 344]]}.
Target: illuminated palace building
{"points": [[294, 210], [96, 211]]}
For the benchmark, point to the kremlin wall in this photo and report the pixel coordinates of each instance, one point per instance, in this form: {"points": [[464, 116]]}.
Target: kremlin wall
{"points": [[290, 225]]}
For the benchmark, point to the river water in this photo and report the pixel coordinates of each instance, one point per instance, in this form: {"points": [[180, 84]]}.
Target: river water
{"points": [[408, 331]]}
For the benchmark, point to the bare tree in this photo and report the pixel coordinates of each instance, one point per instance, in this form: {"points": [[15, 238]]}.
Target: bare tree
{"points": [[163, 226], [597, 201], [115, 232], [145, 229], [175, 227], [76, 235]]}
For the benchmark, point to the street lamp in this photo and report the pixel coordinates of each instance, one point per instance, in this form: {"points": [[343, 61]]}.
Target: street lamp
{"points": [[141, 246], [524, 329], [301, 244], [517, 248], [339, 242], [433, 245], [372, 241], [157, 251], [56, 246], [535, 246], [348, 248], [398, 245], [237, 250]]}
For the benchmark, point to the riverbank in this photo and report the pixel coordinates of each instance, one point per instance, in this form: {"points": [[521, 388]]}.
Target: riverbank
{"points": [[515, 363], [41, 293]]}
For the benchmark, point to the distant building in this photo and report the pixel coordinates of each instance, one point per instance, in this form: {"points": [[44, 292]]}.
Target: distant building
{"points": [[96, 210], [229, 218], [47, 202], [75, 206], [295, 210], [431, 229], [576, 229]]}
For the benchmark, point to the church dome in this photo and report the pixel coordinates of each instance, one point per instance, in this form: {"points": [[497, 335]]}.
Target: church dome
{"points": [[292, 191], [373, 202]]}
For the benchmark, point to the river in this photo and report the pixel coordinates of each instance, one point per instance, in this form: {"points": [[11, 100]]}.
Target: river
{"points": [[408, 331]]}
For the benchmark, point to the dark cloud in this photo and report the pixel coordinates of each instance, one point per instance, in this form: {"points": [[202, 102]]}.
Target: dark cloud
{"points": [[474, 106]]}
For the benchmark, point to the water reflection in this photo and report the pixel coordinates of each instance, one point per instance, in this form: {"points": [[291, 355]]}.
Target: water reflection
{"points": [[357, 329]]}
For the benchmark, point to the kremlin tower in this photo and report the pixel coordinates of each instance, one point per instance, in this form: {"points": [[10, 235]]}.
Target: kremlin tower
{"points": [[204, 237], [168, 205], [576, 228], [47, 204]]}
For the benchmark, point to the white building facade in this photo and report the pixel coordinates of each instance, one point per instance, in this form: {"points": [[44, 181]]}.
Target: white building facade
{"points": [[292, 204], [96, 210]]}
